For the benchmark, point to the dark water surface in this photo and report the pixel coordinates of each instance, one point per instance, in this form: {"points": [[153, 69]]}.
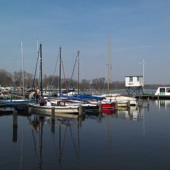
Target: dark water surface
{"points": [[138, 140]]}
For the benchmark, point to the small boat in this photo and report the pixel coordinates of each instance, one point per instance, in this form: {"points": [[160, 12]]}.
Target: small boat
{"points": [[17, 102], [60, 110], [163, 91], [120, 99], [107, 105], [74, 101]]}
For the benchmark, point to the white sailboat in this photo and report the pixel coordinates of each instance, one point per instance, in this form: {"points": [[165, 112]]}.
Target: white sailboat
{"points": [[23, 101], [119, 99], [48, 108]]}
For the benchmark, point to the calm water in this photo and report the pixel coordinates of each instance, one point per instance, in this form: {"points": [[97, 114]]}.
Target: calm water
{"points": [[138, 140]]}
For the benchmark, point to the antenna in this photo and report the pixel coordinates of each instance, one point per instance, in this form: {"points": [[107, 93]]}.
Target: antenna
{"points": [[143, 68]]}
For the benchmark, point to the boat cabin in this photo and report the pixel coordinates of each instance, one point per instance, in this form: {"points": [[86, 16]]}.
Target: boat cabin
{"points": [[134, 81], [163, 91]]}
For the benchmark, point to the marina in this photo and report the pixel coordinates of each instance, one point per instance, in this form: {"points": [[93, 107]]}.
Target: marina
{"points": [[84, 85]]}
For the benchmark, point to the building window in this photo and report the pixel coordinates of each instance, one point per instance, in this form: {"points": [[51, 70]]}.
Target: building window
{"points": [[137, 78], [162, 90], [168, 90], [130, 79]]}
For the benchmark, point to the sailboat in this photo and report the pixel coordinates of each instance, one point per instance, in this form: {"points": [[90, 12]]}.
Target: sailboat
{"points": [[111, 101], [71, 97], [48, 109], [108, 106], [23, 101]]}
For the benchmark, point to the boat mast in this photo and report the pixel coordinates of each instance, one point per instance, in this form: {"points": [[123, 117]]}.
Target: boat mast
{"points": [[23, 83], [60, 73], [143, 72], [41, 69], [108, 85], [38, 64], [78, 72]]}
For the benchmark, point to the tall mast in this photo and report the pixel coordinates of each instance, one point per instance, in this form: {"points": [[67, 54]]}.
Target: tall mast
{"points": [[60, 73], [23, 83], [41, 69], [78, 71], [38, 60], [108, 85]]}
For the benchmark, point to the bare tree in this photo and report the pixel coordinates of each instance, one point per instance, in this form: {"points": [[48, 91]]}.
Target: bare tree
{"points": [[5, 78]]}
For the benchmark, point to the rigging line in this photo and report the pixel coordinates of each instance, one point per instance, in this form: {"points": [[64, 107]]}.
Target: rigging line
{"points": [[73, 71], [36, 68], [55, 68], [73, 142], [83, 75], [63, 72]]}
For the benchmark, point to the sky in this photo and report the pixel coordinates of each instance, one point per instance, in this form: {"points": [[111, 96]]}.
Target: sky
{"points": [[139, 30]]}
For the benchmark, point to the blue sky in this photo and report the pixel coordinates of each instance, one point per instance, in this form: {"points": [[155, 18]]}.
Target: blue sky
{"points": [[139, 29]]}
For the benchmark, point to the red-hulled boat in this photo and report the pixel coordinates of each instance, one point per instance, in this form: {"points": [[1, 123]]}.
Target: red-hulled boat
{"points": [[108, 105]]}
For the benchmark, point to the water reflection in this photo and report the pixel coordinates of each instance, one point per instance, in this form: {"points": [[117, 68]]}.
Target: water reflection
{"points": [[43, 143], [133, 113], [64, 126], [163, 104]]}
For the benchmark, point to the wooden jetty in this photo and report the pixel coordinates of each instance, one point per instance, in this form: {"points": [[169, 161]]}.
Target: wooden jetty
{"points": [[153, 97]]}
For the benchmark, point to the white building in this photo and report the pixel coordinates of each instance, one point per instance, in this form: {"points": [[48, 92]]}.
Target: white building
{"points": [[134, 84]]}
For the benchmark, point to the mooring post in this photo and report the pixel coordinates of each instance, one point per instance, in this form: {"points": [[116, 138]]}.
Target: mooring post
{"points": [[116, 105], [148, 101], [53, 120], [15, 118], [100, 107], [15, 126], [128, 104], [79, 121], [80, 109], [53, 114]]}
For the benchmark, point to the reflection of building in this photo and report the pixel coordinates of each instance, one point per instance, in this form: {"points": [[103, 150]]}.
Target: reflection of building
{"points": [[132, 114], [134, 84], [163, 103]]}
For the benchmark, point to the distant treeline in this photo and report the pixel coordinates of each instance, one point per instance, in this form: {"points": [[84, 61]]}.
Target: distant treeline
{"points": [[15, 79]]}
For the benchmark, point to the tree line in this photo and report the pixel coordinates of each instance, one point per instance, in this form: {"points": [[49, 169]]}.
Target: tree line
{"points": [[15, 79]]}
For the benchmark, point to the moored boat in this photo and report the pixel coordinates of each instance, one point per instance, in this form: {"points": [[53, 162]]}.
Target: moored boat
{"points": [[17, 102], [163, 91], [58, 110], [120, 99]]}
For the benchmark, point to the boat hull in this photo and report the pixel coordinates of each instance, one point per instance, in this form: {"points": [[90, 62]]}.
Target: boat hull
{"points": [[108, 105], [48, 110]]}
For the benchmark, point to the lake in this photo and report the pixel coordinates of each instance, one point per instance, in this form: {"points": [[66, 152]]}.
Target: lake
{"points": [[138, 139]]}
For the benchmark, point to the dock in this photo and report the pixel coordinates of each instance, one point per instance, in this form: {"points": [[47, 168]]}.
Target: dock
{"points": [[153, 97]]}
